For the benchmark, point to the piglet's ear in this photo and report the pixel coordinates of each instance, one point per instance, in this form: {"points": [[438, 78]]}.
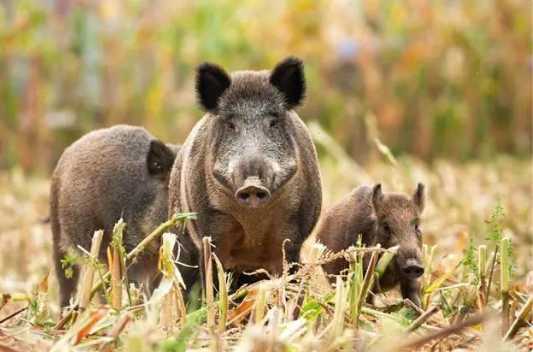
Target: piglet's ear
{"points": [[211, 82], [419, 197], [377, 197], [160, 158], [288, 78]]}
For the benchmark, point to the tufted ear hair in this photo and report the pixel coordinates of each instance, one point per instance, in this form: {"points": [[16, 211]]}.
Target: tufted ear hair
{"points": [[419, 197], [377, 197], [211, 82], [160, 158], [288, 77]]}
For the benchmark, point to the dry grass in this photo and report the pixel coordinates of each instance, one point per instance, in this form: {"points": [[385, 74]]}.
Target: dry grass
{"points": [[462, 296]]}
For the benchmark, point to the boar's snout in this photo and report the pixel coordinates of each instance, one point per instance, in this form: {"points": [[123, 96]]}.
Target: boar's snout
{"points": [[252, 180], [412, 269], [253, 194]]}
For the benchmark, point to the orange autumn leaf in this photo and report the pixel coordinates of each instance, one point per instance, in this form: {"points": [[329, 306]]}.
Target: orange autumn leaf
{"points": [[86, 328], [244, 308]]}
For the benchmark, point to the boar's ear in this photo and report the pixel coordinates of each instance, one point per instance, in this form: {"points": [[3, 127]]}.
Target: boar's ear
{"points": [[211, 82], [377, 197], [288, 78], [160, 158], [419, 197]]}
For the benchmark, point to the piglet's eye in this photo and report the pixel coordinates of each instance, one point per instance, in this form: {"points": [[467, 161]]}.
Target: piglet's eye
{"points": [[386, 228], [273, 123], [157, 166]]}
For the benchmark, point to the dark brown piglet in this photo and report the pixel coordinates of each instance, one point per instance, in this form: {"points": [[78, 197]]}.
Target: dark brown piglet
{"points": [[388, 219]]}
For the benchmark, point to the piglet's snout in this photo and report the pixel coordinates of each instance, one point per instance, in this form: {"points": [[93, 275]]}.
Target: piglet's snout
{"points": [[413, 269]]}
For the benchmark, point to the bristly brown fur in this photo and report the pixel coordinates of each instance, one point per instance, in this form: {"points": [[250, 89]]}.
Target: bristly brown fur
{"points": [[373, 214], [107, 174], [215, 159]]}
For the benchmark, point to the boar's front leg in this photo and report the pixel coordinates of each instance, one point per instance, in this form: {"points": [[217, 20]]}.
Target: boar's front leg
{"points": [[411, 289], [292, 255]]}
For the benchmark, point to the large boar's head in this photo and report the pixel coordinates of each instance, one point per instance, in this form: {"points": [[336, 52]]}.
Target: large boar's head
{"points": [[252, 148]]}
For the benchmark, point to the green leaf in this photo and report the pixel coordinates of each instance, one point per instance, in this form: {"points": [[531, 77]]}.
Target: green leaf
{"points": [[180, 343], [311, 310]]}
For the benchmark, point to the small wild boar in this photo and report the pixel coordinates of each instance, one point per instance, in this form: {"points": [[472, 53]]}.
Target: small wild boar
{"points": [[107, 174], [388, 219], [249, 170]]}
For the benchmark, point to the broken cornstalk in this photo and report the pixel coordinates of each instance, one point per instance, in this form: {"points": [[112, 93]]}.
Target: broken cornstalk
{"points": [[88, 276]]}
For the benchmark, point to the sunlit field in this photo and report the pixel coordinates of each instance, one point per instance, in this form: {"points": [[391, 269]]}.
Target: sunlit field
{"points": [[471, 207], [396, 93]]}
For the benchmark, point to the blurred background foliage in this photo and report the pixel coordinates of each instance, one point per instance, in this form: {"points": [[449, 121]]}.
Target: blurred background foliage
{"points": [[436, 79]]}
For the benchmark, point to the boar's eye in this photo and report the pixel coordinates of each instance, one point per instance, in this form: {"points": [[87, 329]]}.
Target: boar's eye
{"points": [[231, 126], [274, 119]]}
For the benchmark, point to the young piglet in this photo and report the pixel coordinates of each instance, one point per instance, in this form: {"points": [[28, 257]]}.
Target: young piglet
{"points": [[388, 219]]}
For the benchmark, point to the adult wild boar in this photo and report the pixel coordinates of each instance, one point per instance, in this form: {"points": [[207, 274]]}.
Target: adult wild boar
{"points": [[248, 169], [388, 219], [107, 174]]}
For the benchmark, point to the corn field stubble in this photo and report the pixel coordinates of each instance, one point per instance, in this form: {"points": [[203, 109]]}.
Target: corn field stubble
{"points": [[476, 291]]}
